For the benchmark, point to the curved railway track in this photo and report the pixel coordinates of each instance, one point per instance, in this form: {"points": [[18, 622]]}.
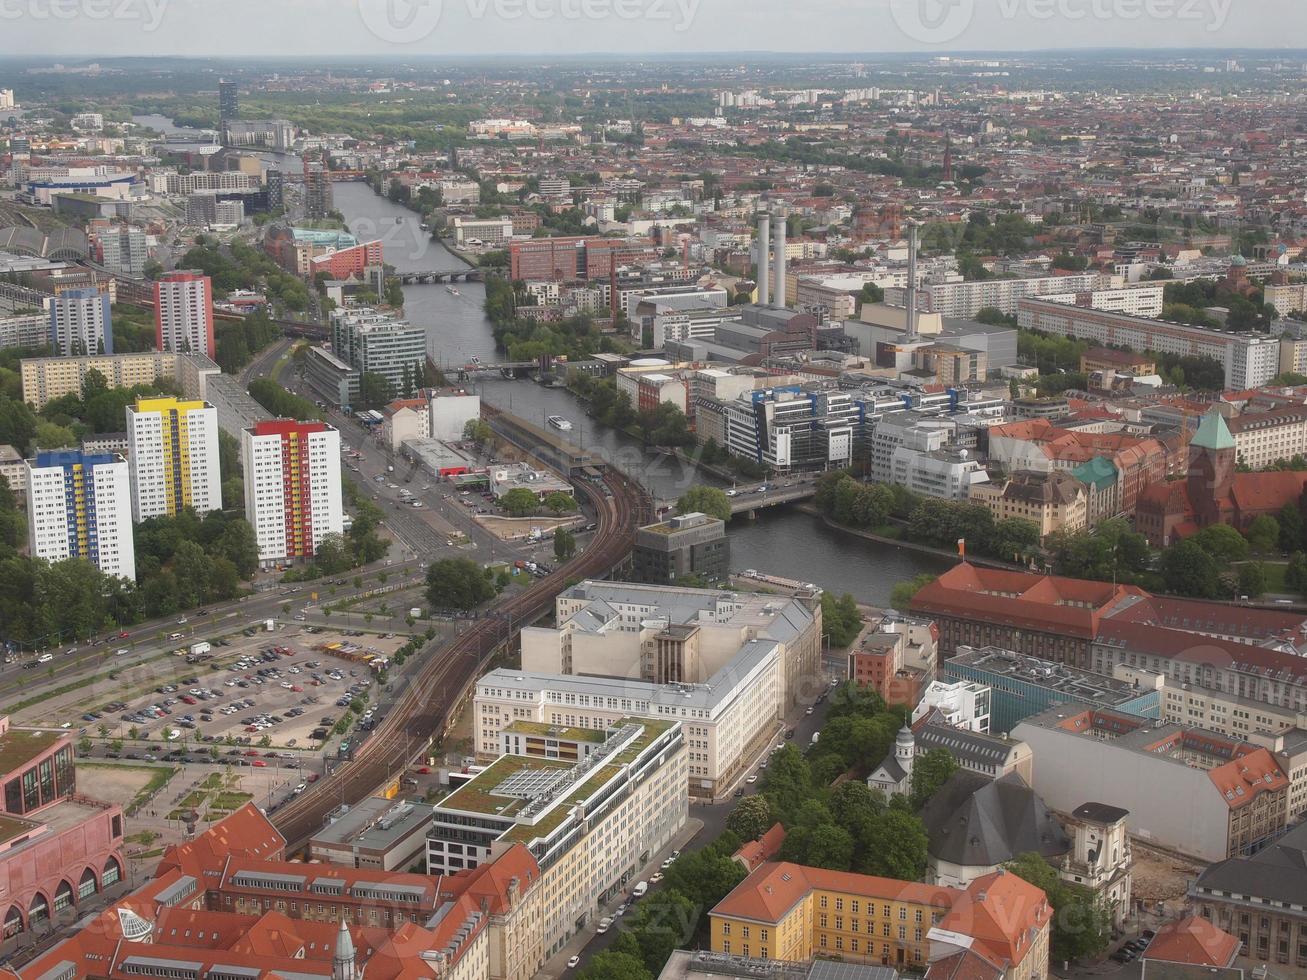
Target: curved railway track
{"points": [[421, 710]]}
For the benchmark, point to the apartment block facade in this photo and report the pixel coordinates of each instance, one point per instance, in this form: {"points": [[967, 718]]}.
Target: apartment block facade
{"points": [[183, 313], [80, 322], [173, 450], [79, 506], [292, 487]]}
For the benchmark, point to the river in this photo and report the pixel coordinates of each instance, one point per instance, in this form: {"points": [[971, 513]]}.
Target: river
{"points": [[783, 542]]}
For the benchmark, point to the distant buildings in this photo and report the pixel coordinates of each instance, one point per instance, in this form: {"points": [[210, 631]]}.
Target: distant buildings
{"points": [[687, 545], [48, 378], [292, 487], [183, 313], [1021, 686], [577, 257], [318, 198], [1052, 502], [228, 102], [1235, 794], [79, 506], [124, 250], [173, 450], [1250, 359], [80, 322], [30, 330], [966, 299], [1213, 492]]}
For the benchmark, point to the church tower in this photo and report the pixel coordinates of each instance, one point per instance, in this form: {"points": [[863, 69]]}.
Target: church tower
{"points": [[342, 963], [1211, 468], [905, 747]]}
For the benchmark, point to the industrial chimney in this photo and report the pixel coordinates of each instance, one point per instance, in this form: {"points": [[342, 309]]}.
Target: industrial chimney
{"points": [[764, 257], [778, 290], [910, 335]]}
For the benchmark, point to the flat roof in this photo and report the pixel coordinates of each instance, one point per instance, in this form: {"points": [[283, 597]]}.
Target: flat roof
{"points": [[374, 824], [21, 745], [524, 727], [1081, 685]]}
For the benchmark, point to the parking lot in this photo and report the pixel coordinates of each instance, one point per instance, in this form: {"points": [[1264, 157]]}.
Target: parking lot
{"points": [[279, 693]]}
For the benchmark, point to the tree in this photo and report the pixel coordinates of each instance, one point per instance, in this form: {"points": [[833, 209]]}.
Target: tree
{"points": [[615, 966], [519, 502], [564, 544], [841, 618], [705, 500], [478, 430], [1263, 534], [1291, 528], [706, 876], [1189, 570], [560, 503], [375, 390], [1222, 542], [751, 818], [824, 846], [1295, 575], [901, 595], [930, 771], [1252, 579], [661, 923], [458, 583], [896, 847]]}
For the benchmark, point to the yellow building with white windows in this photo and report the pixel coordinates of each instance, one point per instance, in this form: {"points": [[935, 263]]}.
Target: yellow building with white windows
{"points": [[173, 454]]}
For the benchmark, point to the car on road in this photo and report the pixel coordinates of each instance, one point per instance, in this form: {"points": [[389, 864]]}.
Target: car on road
{"points": [[573, 962], [656, 877], [259, 763], [732, 492], [753, 778], [604, 925], [808, 710]]}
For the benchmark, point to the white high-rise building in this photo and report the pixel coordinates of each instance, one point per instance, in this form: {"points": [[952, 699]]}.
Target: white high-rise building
{"points": [[183, 313], [292, 487], [125, 250], [79, 506], [80, 323], [173, 448]]}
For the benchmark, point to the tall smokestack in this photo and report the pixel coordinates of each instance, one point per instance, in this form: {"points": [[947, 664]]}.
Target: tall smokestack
{"points": [[778, 291], [911, 334], [764, 259]]}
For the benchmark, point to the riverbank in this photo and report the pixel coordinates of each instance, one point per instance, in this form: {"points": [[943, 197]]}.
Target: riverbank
{"points": [[924, 549]]}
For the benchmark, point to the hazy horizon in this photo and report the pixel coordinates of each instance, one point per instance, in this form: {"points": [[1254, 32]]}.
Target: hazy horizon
{"points": [[633, 29]]}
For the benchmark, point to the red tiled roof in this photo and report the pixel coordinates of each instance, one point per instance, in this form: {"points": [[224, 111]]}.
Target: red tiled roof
{"points": [[772, 889], [1002, 913], [755, 852], [1242, 780], [1193, 940], [246, 832]]}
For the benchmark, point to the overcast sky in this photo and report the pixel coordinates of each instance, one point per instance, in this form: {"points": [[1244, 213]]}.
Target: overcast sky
{"points": [[233, 28]]}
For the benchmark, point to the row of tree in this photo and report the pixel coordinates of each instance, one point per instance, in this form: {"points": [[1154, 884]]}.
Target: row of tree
{"points": [[925, 520]]}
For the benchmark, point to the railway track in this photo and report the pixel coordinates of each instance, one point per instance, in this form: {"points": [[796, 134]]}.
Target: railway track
{"points": [[421, 711]]}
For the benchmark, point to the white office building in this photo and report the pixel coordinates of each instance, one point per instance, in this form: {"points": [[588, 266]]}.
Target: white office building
{"points": [[173, 448], [79, 506], [292, 487], [964, 704], [727, 666], [966, 299]]}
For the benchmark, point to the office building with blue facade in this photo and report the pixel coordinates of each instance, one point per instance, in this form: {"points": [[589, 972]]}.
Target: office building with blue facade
{"points": [[1022, 686]]}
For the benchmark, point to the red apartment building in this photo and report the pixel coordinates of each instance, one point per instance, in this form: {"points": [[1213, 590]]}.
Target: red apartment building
{"points": [[576, 257], [227, 904], [57, 846], [348, 263]]}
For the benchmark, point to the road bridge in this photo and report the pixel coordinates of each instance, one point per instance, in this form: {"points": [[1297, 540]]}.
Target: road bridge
{"points": [[440, 275]]}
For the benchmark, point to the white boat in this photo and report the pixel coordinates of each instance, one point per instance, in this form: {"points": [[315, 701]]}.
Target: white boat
{"points": [[560, 423], [454, 291]]}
